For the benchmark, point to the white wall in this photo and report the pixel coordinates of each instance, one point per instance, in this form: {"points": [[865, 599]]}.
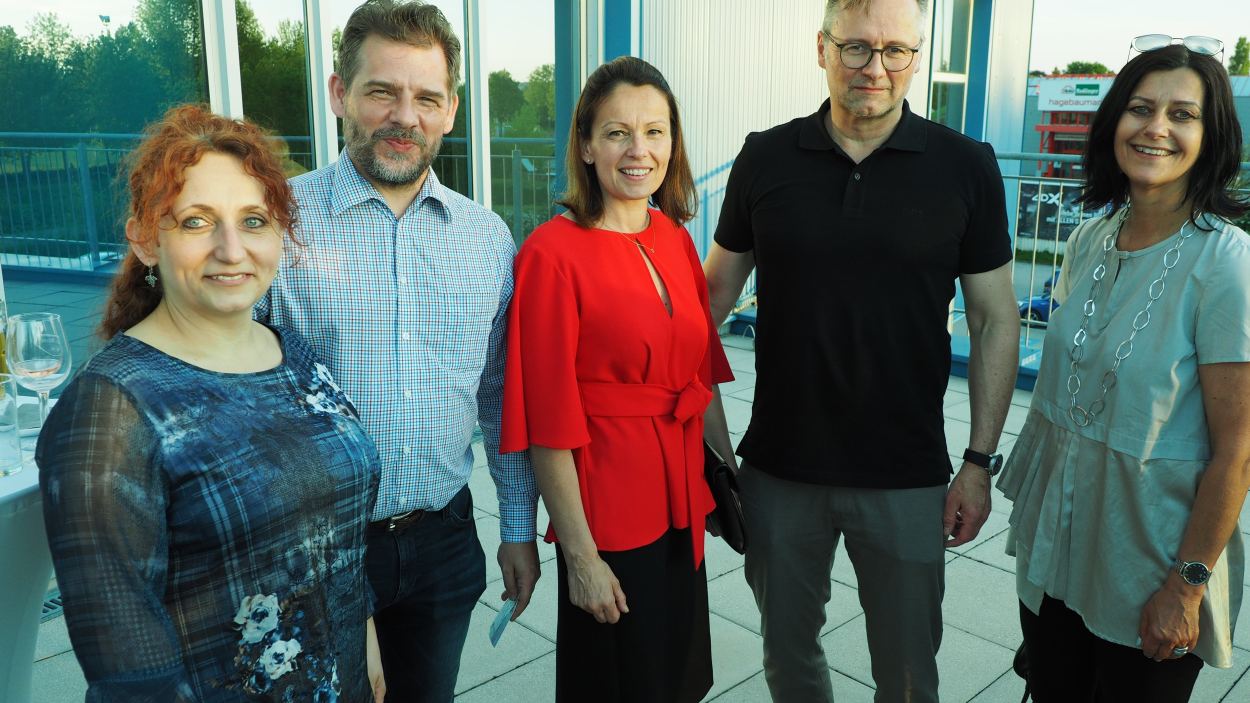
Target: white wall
{"points": [[736, 66]]}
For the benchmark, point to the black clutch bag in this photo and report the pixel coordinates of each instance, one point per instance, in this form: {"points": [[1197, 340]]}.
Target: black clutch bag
{"points": [[726, 521]]}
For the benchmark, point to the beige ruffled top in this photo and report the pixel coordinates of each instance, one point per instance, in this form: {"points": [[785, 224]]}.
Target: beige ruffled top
{"points": [[1099, 511]]}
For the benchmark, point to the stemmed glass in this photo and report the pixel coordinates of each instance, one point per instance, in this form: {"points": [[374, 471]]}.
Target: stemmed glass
{"points": [[38, 354]]}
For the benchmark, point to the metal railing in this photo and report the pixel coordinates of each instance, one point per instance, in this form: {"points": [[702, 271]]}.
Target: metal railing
{"points": [[63, 196], [1042, 212]]}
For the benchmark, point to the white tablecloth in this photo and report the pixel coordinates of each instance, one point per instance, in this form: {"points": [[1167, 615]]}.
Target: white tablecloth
{"points": [[27, 567]]}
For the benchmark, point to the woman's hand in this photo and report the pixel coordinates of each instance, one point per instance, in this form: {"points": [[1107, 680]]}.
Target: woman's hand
{"points": [[373, 663], [1170, 620], [594, 588]]}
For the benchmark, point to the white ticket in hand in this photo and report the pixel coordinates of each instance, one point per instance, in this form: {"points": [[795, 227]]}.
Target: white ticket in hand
{"points": [[501, 621]]}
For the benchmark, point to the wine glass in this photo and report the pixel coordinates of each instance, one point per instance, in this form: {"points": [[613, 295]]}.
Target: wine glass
{"points": [[38, 354]]}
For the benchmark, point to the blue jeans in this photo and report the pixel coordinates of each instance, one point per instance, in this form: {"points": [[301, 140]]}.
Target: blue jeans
{"points": [[427, 578]]}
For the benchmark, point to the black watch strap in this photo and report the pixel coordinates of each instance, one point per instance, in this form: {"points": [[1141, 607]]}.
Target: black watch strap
{"points": [[972, 456]]}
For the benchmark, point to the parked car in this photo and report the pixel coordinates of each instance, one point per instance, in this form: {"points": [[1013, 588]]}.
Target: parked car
{"points": [[1036, 310]]}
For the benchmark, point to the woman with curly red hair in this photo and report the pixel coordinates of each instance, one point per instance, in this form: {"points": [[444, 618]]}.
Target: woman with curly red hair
{"points": [[206, 484]]}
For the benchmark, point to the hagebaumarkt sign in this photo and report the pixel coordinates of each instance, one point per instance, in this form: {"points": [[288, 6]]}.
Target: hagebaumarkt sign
{"points": [[1072, 94]]}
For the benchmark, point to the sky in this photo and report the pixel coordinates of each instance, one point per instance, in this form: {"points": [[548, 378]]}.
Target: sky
{"points": [[1102, 30], [519, 34]]}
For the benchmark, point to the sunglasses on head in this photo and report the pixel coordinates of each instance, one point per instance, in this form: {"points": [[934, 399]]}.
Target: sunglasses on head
{"points": [[1207, 46]]}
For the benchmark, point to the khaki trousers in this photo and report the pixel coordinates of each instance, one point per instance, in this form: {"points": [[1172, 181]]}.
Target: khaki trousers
{"points": [[894, 539]]}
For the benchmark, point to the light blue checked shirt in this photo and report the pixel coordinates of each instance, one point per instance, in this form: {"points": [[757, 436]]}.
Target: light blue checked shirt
{"points": [[409, 314]]}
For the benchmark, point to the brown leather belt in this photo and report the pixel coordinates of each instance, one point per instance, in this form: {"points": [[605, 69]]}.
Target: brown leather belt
{"points": [[399, 522]]}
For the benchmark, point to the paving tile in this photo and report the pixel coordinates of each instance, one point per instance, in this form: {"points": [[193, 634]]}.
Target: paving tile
{"points": [[755, 690], [743, 359], [1007, 688], [1215, 684], [961, 411], [954, 397], [53, 639], [967, 664], [482, 486], [720, 557], [532, 681], [957, 433], [1239, 693], [731, 598], [982, 600], [737, 654], [957, 383], [1016, 415], [1022, 398], [747, 394], [480, 662], [743, 380], [993, 552], [737, 413], [58, 679], [1241, 628]]}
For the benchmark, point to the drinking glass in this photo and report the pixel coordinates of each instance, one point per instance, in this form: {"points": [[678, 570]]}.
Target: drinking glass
{"points": [[38, 354]]}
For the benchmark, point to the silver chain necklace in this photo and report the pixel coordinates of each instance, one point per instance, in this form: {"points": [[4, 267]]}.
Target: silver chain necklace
{"points": [[1079, 414]]}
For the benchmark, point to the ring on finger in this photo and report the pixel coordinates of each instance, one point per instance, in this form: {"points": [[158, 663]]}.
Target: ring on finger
{"points": [[1180, 651]]}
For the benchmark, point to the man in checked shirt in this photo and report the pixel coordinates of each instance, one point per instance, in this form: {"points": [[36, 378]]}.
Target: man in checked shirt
{"points": [[403, 289]]}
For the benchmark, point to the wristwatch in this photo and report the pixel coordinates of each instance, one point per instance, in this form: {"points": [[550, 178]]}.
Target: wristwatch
{"points": [[992, 463], [1195, 573]]}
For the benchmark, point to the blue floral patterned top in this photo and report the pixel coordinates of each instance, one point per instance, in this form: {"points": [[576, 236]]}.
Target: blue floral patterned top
{"points": [[208, 529]]}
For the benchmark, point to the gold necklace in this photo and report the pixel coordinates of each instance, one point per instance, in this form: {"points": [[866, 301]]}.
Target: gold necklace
{"points": [[633, 238]]}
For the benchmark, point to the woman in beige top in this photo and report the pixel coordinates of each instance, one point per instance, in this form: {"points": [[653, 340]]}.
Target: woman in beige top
{"points": [[1131, 470]]}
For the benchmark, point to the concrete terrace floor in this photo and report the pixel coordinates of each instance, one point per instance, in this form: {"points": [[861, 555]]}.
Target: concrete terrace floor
{"points": [[980, 610]]}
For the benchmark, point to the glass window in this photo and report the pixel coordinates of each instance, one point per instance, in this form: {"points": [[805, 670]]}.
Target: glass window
{"points": [[522, 110], [273, 68], [946, 105], [951, 31], [78, 90], [452, 164]]}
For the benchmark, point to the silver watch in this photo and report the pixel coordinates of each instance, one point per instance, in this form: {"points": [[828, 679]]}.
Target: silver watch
{"points": [[1195, 573]]}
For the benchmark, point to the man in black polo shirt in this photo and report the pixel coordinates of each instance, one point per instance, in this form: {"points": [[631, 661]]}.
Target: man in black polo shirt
{"points": [[859, 219]]}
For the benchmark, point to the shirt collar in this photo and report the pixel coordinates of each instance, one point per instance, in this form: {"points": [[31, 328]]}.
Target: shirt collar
{"points": [[351, 189], [908, 135]]}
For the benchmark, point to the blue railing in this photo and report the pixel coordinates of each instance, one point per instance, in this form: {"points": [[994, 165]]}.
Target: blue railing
{"points": [[63, 199]]}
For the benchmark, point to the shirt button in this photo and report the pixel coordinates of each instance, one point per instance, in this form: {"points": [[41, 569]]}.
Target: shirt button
{"points": [[857, 176], [407, 393], [407, 450], [403, 280], [404, 336], [403, 502]]}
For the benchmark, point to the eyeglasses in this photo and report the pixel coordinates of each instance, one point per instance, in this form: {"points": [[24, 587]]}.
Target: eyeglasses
{"points": [[856, 55], [1207, 46]]}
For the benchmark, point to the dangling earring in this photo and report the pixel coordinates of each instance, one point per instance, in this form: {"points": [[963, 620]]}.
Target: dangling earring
{"points": [[150, 278]]}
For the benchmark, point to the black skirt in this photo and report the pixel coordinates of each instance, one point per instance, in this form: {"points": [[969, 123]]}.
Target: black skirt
{"points": [[658, 652]]}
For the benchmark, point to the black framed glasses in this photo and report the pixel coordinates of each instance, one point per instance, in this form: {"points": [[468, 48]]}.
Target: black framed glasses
{"points": [[1207, 46], [855, 55]]}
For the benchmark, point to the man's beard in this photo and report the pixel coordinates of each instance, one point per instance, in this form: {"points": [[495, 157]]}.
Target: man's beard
{"points": [[363, 149]]}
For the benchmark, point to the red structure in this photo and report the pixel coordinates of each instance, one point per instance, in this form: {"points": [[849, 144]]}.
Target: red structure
{"points": [[1065, 131]]}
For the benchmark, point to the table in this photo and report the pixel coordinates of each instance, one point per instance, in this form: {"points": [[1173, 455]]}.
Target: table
{"points": [[23, 578]]}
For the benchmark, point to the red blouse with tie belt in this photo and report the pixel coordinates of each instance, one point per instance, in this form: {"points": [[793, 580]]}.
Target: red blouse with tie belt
{"points": [[596, 364]]}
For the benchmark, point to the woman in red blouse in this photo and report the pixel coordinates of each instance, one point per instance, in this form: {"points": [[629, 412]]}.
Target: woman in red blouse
{"points": [[612, 356]]}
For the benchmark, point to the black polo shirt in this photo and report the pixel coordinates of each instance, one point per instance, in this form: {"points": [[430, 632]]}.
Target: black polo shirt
{"points": [[856, 267]]}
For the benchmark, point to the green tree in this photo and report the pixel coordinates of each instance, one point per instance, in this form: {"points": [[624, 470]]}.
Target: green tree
{"points": [[506, 99], [1077, 67], [1239, 64], [540, 102]]}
